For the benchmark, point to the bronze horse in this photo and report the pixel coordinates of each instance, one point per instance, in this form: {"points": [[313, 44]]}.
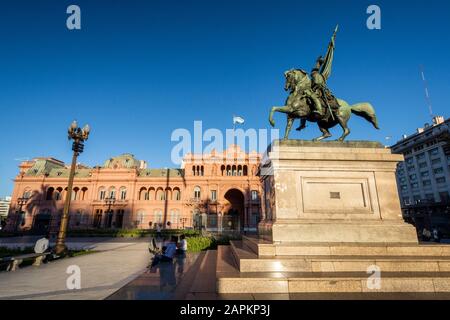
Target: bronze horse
{"points": [[298, 107]]}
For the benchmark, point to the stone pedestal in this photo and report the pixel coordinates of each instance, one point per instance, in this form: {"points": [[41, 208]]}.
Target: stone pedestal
{"points": [[332, 192], [332, 224]]}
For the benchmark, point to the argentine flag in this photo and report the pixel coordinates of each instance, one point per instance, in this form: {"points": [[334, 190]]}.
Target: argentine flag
{"points": [[238, 120]]}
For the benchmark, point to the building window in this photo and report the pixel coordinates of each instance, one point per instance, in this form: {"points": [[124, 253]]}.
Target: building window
{"points": [[123, 193], [436, 161], [213, 195], [50, 192], [440, 180], [409, 161], [174, 218], [425, 174], [254, 195], [58, 194], [75, 192], [413, 177], [429, 196], [27, 194], [112, 192], [415, 185], [160, 195], [411, 168], [438, 170], [176, 194], [140, 217], [158, 216], [434, 151], [426, 183], [197, 193], [420, 156], [102, 194]]}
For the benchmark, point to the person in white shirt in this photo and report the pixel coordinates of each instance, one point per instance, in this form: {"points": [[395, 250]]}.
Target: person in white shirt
{"points": [[41, 245], [182, 245]]}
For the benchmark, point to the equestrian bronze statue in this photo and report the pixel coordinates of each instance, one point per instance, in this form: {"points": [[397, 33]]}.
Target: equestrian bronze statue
{"points": [[311, 100]]}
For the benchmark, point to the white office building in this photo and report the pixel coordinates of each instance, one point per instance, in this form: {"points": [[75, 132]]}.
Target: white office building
{"points": [[4, 207], [424, 176]]}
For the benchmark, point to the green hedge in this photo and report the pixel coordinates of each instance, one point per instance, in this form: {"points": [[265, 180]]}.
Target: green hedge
{"points": [[201, 243], [129, 233]]}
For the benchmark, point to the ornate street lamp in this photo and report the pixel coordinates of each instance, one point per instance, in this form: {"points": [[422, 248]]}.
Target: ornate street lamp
{"points": [[20, 202], [110, 201], [79, 136], [183, 221]]}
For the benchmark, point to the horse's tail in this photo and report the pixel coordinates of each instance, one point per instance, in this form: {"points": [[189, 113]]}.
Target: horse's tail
{"points": [[366, 111]]}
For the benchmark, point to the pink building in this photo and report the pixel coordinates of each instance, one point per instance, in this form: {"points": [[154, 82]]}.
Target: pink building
{"points": [[218, 191]]}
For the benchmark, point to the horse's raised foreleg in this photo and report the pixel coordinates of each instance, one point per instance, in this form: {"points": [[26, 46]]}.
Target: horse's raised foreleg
{"points": [[325, 134], [283, 109], [290, 121]]}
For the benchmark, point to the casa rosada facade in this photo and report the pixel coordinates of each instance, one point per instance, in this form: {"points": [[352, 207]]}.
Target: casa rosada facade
{"points": [[215, 191]]}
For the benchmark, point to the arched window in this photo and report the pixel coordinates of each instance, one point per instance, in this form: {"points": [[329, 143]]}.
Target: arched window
{"points": [[143, 195], [75, 192], [160, 194], [140, 217], [151, 194], [83, 193], [174, 218], [58, 194], [202, 171], [228, 170], [239, 170], [112, 192], [168, 194], [158, 216], [233, 170], [193, 170], [123, 193], [245, 171], [101, 193], [197, 193], [27, 194], [222, 169], [176, 194], [50, 192]]}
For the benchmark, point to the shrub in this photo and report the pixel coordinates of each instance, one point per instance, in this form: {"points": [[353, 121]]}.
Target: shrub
{"points": [[197, 244]]}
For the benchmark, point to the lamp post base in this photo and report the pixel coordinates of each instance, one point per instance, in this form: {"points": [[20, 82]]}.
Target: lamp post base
{"points": [[60, 248]]}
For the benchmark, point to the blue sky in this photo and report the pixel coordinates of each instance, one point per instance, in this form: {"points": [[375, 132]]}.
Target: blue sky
{"points": [[137, 70]]}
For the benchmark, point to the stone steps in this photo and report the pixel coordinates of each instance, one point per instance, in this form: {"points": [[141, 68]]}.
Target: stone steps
{"points": [[248, 261], [203, 287], [231, 280], [265, 248]]}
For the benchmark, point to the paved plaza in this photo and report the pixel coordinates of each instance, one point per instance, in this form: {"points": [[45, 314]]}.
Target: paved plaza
{"points": [[117, 262]]}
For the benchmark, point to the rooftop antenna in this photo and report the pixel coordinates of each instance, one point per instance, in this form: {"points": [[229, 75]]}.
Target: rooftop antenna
{"points": [[427, 92]]}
